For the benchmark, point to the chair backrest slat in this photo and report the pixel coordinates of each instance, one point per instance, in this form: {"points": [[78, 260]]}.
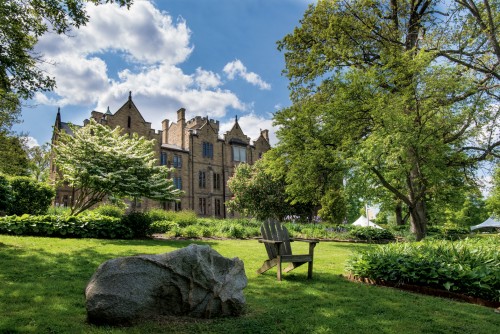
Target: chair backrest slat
{"points": [[272, 230]]}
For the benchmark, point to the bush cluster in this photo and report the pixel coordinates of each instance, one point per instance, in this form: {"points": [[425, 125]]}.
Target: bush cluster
{"points": [[340, 232], [469, 266], [24, 195], [448, 232], [90, 225]]}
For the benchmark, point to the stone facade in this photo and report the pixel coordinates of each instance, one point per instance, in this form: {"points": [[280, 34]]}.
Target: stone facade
{"points": [[203, 159]]}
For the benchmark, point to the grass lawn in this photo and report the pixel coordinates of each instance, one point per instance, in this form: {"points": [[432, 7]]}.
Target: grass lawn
{"points": [[43, 281]]}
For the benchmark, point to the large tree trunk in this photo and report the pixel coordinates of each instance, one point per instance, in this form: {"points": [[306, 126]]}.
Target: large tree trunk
{"points": [[418, 220], [399, 214]]}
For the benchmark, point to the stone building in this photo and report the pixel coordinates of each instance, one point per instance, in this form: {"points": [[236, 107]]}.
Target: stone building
{"points": [[203, 159]]}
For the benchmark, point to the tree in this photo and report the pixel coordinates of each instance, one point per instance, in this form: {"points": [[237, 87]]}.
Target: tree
{"points": [[28, 196], [39, 162], [399, 93], [21, 25], [256, 193], [13, 158], [99, 162], [493, 201]]}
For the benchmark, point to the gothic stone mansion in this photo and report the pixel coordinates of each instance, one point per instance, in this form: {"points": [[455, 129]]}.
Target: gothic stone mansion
{"points": [[202, 159]]}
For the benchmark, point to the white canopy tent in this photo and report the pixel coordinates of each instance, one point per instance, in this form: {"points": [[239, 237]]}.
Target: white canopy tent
{"points": [[490, 222], [363, 221]]}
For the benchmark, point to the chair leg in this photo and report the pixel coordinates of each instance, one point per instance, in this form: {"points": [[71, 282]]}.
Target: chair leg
{"points": [[279, 271], [310, 270]]}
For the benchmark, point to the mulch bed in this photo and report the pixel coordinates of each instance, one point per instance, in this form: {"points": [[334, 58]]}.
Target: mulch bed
{"points": [[427, 291]]}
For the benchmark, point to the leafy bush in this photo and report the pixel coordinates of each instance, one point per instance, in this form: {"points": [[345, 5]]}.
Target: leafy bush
{"points": [[110, 210], [370, 233], [29, 196], [162, 226], [448, 232], [138, 222], [5, 194], [89, 225], [470, 266]]}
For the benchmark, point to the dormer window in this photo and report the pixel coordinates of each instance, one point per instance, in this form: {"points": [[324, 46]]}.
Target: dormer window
{"points": [[239, 153]]}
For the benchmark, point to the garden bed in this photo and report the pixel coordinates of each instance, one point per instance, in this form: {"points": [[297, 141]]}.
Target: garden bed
{"points": [[425, 290]]}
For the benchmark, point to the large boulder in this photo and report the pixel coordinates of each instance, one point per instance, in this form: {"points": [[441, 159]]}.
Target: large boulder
{"points": [[194, 281]]}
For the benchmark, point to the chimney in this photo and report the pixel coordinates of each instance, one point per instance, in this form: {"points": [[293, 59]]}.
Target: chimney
{"points": [[181, 122], [265, 134], [181, 115], [164, 133]]}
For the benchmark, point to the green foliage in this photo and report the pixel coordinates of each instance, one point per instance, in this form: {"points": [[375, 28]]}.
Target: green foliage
{"points": [[391, 107], [5, 193], [470, 266], [100, 162], [110, 210], [13, 159], [370, 233], [256, 193], [29, 196], [138, 222], [90, 225], [493, 202], [39, 162], [448, 232], [21, 25]]}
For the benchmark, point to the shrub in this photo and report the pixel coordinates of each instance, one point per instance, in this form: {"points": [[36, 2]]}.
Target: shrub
{"points": [[162, 226], [138, 222], [370, 233], [448, 232], [29, 196], [185, 218], [5, 194], [90, 225], [470, 266], [110, 210]]}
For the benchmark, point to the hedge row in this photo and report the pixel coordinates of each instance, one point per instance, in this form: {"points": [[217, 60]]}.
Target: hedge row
{"points": [[469, 266], [84, 226]]}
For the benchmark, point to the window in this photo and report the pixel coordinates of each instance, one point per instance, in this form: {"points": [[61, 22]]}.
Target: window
{"points": [[178, 206], [129, 122], [217, 182], [239, 153], [163, 158], [203, 206], [178, 182], [202, 179], [217, 207], [208, 150], [177, 161]]}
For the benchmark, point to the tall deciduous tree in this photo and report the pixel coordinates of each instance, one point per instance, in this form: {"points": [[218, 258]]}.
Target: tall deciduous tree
{"points": [[258, 193], [400, 93], [13, 158], [39, 162], [22, 22], [98, 162]]}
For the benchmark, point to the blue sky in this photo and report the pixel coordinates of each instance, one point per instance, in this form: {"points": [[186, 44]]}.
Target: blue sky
{"points": [[216, 58]]}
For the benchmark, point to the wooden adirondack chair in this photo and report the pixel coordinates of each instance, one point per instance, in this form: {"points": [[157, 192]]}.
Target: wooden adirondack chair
{"points": [[277, 241]]}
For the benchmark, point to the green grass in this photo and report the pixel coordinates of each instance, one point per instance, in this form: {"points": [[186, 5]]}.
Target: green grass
{"points": [[43, 281]]}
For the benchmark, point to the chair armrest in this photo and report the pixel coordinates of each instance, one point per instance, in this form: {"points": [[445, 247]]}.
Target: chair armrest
{"points": [[315, 241], [270, 241]]}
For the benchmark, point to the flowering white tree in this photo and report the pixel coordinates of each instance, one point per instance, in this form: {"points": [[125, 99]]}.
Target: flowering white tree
{"points": [[98, 162]]}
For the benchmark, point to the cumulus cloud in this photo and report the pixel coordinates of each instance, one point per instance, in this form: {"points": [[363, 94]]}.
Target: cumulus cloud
{"points": [[236, 68], [151, 46]]}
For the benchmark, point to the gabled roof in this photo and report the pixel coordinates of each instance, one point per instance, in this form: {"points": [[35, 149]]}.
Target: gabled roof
{"points": [[129, 107]]}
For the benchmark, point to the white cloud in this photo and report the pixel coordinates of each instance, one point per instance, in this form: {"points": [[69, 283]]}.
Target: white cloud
{"points": [[30, 142], [150, 47], [236, 68]]}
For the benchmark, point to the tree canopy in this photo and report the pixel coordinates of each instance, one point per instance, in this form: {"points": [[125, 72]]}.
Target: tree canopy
{"points": [[98, 162], [401, 96]]}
